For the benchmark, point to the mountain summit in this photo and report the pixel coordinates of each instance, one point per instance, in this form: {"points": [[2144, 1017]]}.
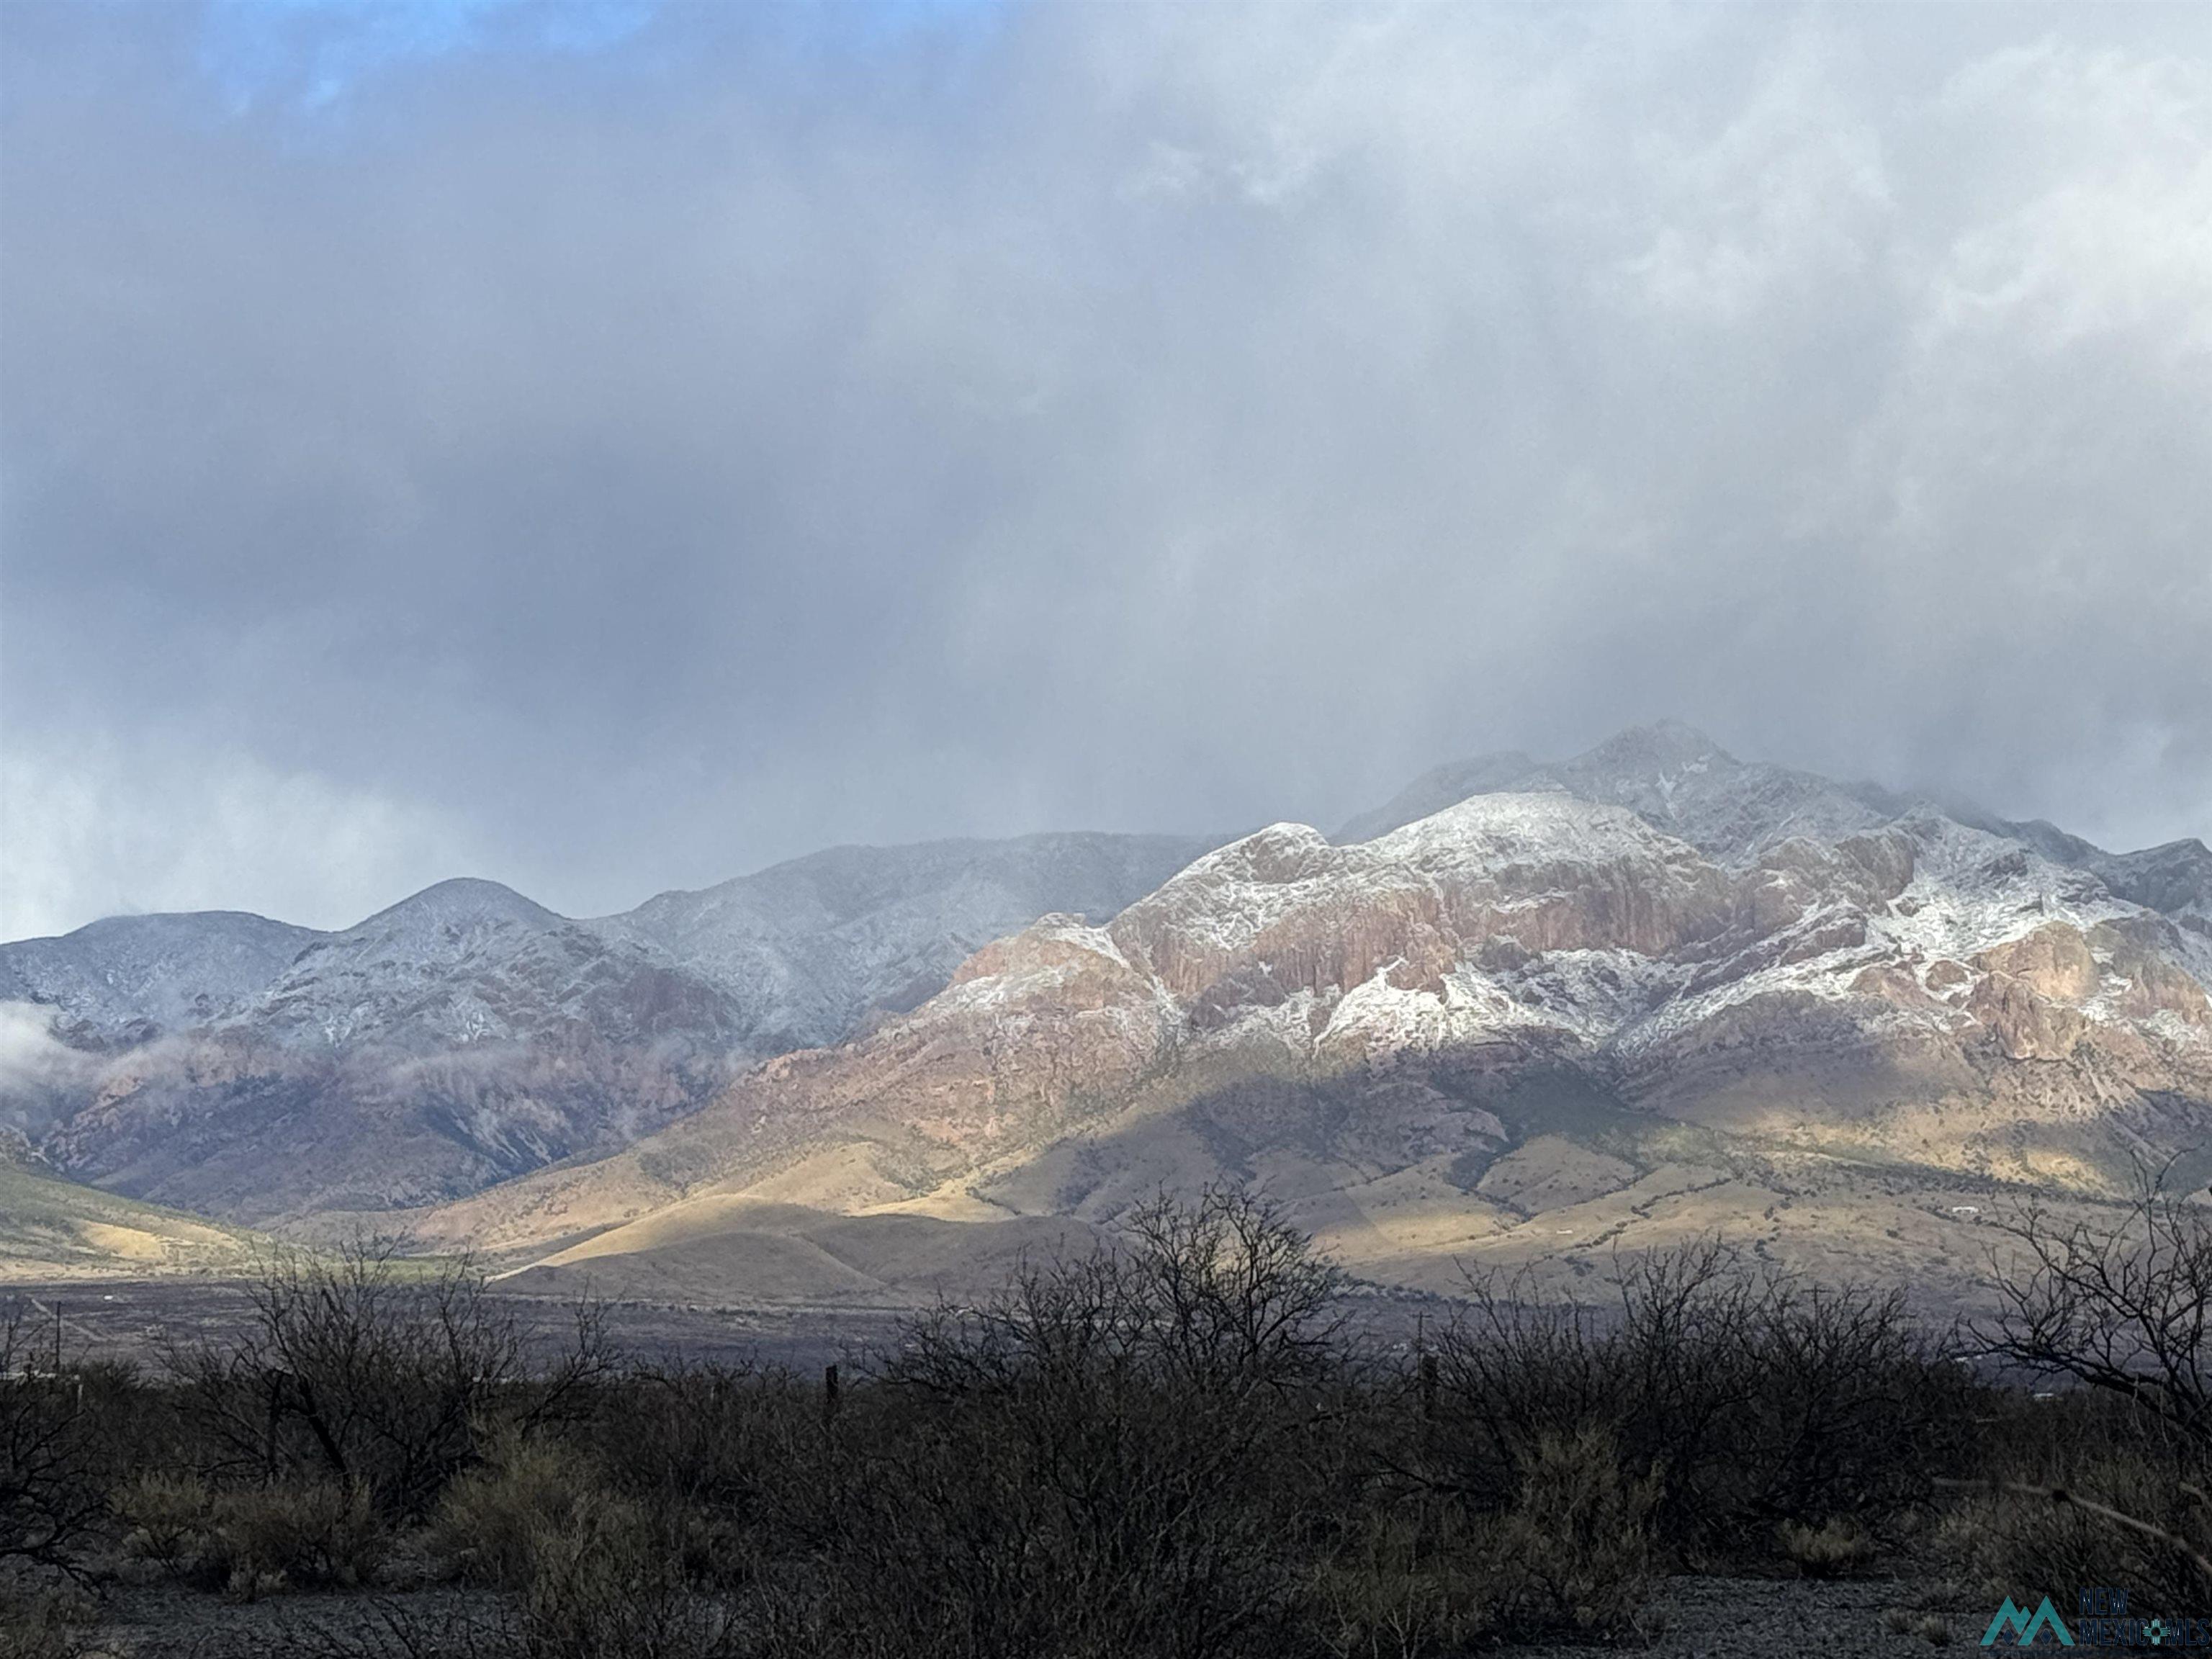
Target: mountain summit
{"points": [[1673, 775], [261, 1073], [1526, 1011], [1521, 1030]]}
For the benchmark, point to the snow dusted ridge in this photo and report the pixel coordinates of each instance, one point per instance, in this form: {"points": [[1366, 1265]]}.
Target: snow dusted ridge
{"points": [[1508, 913], [1922, 991], [1540, 916], [127, 976], [467, 1033], [1682, 782], [1655, 913], [1672, 776], [793, 957]]}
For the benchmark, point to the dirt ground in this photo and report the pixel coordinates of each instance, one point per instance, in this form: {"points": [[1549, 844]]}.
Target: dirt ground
{"points": [[1693, 1619], [134, 1320]]}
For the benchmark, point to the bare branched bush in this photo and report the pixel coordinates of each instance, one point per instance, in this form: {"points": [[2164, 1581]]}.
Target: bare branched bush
{"points": [[51, 1443], [1760, 1399], [2125, 1308], [360, 1370], [748, 1453], [1117, 1455], [1173, 1446], [2106, 1480]]}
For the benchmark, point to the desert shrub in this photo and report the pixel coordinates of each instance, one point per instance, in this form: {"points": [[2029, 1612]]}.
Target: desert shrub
{"points": [[1834, 1549], [611, 1586], [1169, 1448], [496, 1523], [253, 1539], [2123, 1309], [50, 1622], [1118, 1455], [1405, 1582], [2115, 1519], [1760, 1400], [168, 1520], [2104, 1479], [52, 1451], [317, 1534], [595, 1573], [359, 1371], [2069, 1536], [745, 1456], [1572, 1556], [1575, 1553]]}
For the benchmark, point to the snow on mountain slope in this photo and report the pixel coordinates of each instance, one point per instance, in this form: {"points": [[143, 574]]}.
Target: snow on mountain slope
{"points": [[1686, 938], [468, 1034], [818, 944], [1311, 1012], [1672, 776], [470, 961], [126, 977], [1681, 781]]}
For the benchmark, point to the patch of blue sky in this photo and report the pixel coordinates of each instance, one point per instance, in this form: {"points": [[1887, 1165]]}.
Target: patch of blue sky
{"points": [[891, 22], [309, 55]]}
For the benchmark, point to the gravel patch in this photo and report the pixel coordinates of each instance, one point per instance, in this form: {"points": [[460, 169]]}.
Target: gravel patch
{"points": [[1698, 1619], [1791, 1618]]}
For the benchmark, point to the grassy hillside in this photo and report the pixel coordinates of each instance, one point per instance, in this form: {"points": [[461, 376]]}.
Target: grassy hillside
{"points": [[51, 1228]]}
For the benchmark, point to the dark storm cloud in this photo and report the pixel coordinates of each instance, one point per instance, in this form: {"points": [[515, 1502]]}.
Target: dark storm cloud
{"points": [[618, 462]]}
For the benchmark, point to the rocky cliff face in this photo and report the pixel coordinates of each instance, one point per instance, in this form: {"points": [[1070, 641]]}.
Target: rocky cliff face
{"points": [[264, 1074], [1683, 783], [1395, 1022], [1644, 992]]}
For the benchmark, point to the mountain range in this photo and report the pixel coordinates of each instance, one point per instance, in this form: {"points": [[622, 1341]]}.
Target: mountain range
{"points": [[1520, 1016], [259, 1072]]}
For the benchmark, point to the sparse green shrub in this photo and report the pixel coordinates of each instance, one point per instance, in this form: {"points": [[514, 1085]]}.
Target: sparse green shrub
{"points": [[1409, 1582], [2120, 1521], [1834, 1549], [495, 1522], [612, 1586], [1575, 1553], [253, 1540], [52, 1622], [318, 1533], [168, 1520]]}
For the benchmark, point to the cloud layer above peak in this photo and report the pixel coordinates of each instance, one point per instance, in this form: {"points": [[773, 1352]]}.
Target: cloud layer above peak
{"points": [[624, 466]]}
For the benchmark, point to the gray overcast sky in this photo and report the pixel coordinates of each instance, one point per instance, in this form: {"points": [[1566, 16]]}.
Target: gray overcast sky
{"points": [[609, 449]]}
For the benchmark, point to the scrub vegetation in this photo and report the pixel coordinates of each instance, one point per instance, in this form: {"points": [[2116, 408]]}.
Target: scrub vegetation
{"points": [[1176, 1446]]}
